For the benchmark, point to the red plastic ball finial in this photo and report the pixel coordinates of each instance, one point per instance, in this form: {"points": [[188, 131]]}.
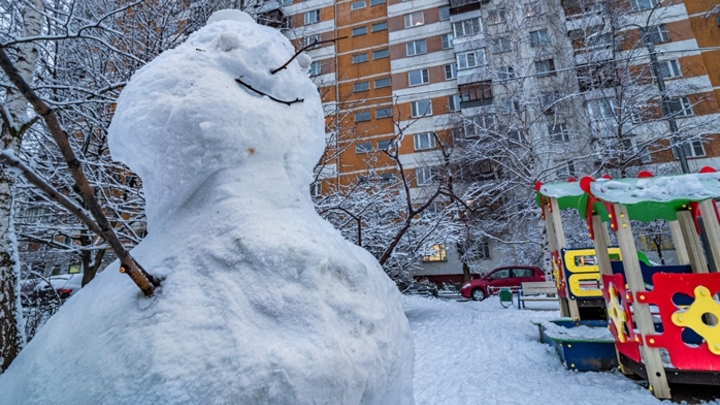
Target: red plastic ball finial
{"points": [[644, 174], [585, 183]]}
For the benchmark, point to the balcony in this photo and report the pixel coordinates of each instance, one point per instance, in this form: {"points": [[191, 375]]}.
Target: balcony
{"points": [[463, 6]]}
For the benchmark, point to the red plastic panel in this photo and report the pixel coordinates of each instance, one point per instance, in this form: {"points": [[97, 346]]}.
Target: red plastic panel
{"points": [[700, 288], [628, 346]]}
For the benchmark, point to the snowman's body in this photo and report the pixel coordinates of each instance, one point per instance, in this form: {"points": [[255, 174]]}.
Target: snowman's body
{"points": [[262, 301]]}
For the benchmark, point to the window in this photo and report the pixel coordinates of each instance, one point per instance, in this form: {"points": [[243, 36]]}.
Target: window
{"points": [[466, 27], [364, 147], [501, 274], [361, 86], [501, 44], [416, 47], [639, 5], [476, 91], [383, 113], [599, 41], [633, 152], [386, 144], [533, 9], [516, 136], [454, 102], [471, 59], [426, 176], [361, 116], [312, 39], [357, 5], [376, 2], [312, 17], [548, 100], [359, 31], [381, 53], [451, 71], [545, 67], [603, 108], [388, 177], [497, 16], [559, 132], [420, 108], [359, 58], [669, 69], [381, 26], [425, 140], [418, 77], [384, 82], [658, 34], [509, 105], [678, 106], [316, 189], [414, 19], [434, 253], [539, 38], [692, 149], [315, 69], [598, 75], [285, 2], [444, 13], [505, 73], [447, 41], [565, 169], [478, 125]]}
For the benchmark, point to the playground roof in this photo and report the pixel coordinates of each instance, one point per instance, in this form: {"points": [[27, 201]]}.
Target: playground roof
{"points": [[646, 198]]}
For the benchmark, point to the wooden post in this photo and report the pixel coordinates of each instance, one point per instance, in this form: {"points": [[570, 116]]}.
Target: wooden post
{"points": [[679, 243], [574, 311], [552, 241], [601, 241], [642, 315], [712, 229], [692, 242]]}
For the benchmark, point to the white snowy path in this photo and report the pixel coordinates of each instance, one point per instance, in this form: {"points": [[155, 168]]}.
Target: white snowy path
{"points": [[480, 353]]}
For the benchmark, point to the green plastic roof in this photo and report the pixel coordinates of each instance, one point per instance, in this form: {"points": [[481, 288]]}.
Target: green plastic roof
{"points": [[646, 199]]}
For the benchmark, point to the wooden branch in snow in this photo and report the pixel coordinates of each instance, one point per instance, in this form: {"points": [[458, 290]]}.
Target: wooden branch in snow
{"points": [[303, 49], [249, 87], [140, 277]]}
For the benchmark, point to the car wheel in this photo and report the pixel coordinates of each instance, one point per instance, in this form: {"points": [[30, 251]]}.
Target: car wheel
{"points": [[478, 294]]}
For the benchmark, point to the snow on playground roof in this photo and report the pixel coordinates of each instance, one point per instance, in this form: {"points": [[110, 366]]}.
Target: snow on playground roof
{"points": [[646, 198], [666, 189], [568, 193]]}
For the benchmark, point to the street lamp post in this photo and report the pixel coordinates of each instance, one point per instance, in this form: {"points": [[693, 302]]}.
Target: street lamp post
{"points": [[665, 101]]}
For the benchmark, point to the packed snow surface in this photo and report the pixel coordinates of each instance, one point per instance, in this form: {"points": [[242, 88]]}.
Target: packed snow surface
{"points": [[481, 353], [262, 301]]}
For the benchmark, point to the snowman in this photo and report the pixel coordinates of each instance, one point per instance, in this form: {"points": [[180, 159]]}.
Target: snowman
{"points": [[262, 301]]}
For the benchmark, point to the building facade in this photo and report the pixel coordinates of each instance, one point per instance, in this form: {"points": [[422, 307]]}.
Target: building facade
{"points": [[539, 90]]}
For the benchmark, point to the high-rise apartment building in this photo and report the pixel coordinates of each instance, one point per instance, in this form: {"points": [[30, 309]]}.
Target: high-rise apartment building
{"points": [[549, 88]]}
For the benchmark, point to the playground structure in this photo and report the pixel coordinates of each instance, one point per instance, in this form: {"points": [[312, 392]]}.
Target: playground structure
{"points": [[664, 319]]}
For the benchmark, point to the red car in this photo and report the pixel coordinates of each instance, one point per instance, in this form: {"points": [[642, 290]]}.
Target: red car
{"points": [[502, 277]]}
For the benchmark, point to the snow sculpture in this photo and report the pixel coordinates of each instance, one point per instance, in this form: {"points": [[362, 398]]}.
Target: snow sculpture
{"points": [[262, 302]]}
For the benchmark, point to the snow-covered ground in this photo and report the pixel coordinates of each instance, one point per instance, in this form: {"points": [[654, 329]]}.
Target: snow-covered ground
{"points": [[480, 353]]}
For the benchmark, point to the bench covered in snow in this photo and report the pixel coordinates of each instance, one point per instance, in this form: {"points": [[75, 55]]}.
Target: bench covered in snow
{"points": [[536, 291]]}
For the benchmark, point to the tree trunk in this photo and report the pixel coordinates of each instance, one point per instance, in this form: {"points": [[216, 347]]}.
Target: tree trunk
{"points": [[12, 337], [11, 332]]}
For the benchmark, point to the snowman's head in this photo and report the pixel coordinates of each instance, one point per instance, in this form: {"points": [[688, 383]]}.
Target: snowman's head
{"points": [[184, 116]]}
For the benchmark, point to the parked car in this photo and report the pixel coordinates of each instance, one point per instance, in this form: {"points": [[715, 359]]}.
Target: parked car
{"points": [[501, 277], [53, 288], [417, 288]]}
